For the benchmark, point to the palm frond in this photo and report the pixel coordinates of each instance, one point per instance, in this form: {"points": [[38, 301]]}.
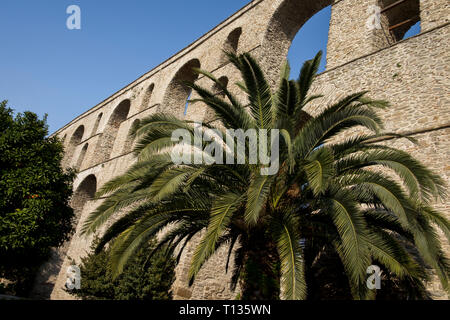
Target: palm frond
{"points": [[307, 75], [319, 169], [221, 213], [284, 227], [352, 229], [259, 94], [257, 195]]}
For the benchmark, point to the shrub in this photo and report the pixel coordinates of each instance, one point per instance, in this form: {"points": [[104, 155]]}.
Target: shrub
{"points": [[144, 277]]}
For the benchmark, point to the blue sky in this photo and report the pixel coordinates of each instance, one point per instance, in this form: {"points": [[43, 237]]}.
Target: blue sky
{"points": [[46, 68]]}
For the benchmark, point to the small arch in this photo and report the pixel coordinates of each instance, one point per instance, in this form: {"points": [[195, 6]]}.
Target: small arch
{"points": [[130, 140], [217, 90], [82, 156], [97, 123], [398, 18], [147, 97], [120, 114], [77, 136], [231, 44], [177, 93], [109, 135], [75, 140], [84, 193]]}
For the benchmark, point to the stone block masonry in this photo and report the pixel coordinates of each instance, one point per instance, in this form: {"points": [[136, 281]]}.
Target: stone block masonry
{"points": [[412, 74]]}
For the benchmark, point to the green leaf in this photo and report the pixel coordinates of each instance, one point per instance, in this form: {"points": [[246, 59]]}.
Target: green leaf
{"points": [[221, 213], [257, 194], [293, 282], [320, 169]]}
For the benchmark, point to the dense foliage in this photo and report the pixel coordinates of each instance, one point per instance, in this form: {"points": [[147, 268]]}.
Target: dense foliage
{"points": [[340, 202], [144, 277], [34, 194]]}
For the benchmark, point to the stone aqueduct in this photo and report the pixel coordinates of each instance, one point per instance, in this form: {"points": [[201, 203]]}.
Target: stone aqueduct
{"points": [[413, 74]]}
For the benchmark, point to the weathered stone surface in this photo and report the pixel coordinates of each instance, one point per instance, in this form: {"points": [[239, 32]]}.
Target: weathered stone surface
{"points": [[412, 74]]}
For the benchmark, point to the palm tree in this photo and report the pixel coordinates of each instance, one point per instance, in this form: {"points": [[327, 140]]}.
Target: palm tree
{"points": [[337, 194]]}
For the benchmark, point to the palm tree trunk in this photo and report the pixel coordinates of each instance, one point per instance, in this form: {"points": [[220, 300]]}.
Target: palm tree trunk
{"points": [[261, 275]]}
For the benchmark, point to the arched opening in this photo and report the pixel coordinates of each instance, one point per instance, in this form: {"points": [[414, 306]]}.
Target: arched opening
{"points": [[84, 193], [186, 106], [217, 90], [147, 97], [177, 93], [309, 40], [75, 140], [231, 44], [284, 25], [82, 156], [400, 19], [97, 123], [77, 136], [413, 31], [109, 135], [128, 147]]}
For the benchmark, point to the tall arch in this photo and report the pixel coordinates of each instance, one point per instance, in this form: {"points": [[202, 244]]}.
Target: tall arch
{"points": [[128, 147], [75, 140], [147, 97], [287, 20], [97, 123], [231, 44], [77, 136], [177, 94], [314, 33], [84, 193], [82, 156], [109, 135]]}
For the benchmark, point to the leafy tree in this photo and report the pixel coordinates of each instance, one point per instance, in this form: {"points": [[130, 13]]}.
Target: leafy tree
{"points": [[338, 196], [34, 194], [144, 277]]}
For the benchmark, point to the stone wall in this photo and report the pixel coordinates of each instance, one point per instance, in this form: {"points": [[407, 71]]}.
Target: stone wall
{"points": [[412, 74]]}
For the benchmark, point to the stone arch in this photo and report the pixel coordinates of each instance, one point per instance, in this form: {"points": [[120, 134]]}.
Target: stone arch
{"points": [[147, 97], [82, 156], [216, 89], [315, 34], [285, 23], [128, 147], [231, 44], [84, 192], [97, 123], [177, 94], [398, 18], [119, 115], [77, 136]]}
